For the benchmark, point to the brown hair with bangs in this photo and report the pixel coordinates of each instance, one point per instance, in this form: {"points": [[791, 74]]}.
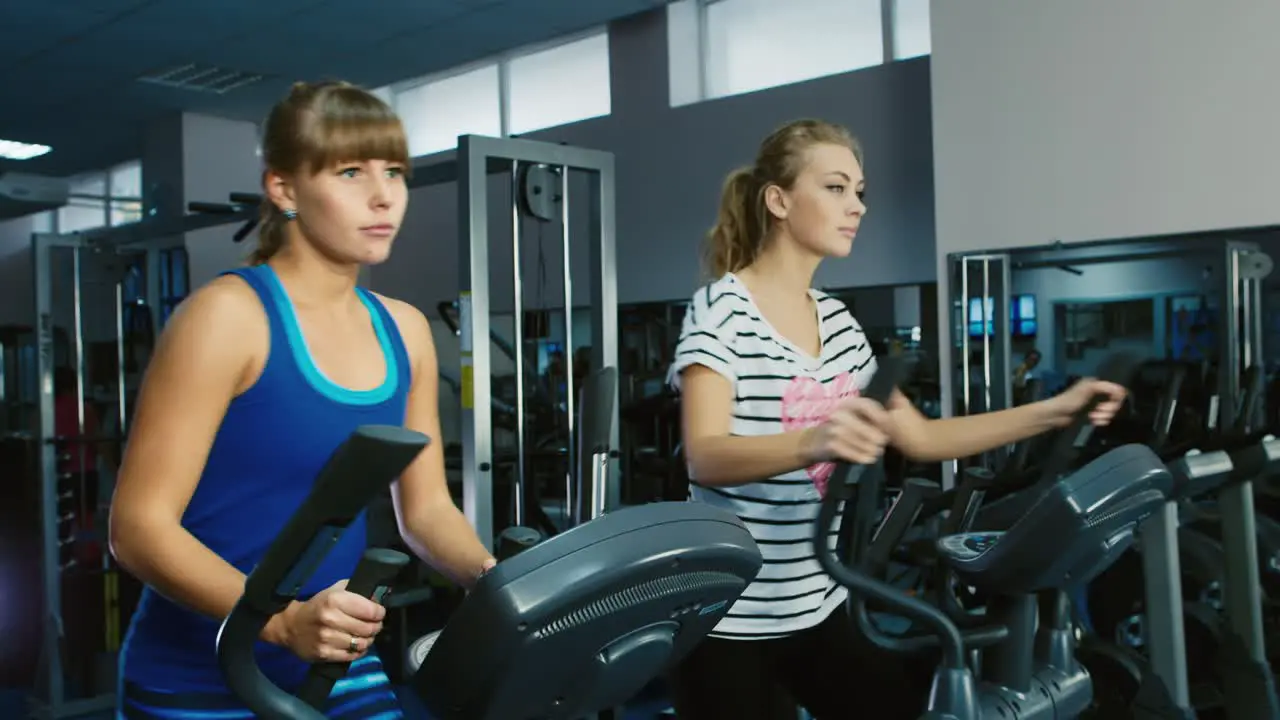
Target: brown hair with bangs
{"points": [[316, 127]]}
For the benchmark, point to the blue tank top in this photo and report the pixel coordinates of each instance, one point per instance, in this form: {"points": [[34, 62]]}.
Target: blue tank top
{"points": [[273, 441]]}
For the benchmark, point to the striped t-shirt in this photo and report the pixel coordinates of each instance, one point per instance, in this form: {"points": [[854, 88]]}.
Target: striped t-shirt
{"points": [[777, 387]]}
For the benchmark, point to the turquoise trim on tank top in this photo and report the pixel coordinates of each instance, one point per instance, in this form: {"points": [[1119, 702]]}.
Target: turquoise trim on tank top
{"points": [[302, 355]]}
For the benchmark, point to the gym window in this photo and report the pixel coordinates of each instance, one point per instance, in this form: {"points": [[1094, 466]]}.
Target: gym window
{"points": [[720, 48], [436, 112], [911, 33], [559, 85], [103, 198], [522, 91]]}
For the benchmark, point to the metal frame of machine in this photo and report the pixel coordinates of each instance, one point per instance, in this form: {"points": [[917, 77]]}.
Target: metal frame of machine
{"points": [[136, 238], [478, 157]]}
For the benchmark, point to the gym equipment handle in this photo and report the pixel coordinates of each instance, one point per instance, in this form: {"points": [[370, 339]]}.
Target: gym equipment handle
{"points": [[889, 374], [366, 462], [1118, 368], [372, 579]]}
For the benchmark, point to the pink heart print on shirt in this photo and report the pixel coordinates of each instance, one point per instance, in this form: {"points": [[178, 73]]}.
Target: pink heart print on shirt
{"points": [[807, 403]]}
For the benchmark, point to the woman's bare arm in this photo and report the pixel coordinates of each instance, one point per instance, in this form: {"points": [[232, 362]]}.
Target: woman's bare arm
{"points": [[719, 459], [204, 359], [430, 522]]}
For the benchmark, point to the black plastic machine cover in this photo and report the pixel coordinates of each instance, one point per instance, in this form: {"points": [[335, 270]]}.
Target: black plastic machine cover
{"points": [[569, 627], [583, 621]]}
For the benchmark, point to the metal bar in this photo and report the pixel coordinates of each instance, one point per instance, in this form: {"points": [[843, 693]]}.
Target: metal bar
{"points": [[966, 361], [986, 336], [1162, 574], [602, 237], [121, 411], [155, 293], [572, 500], [473, 323], [51, 565], [1002, 323], [1229, 363], [517, 315], [151, 229], [77, 320], [888, 21], [1241, 581]]}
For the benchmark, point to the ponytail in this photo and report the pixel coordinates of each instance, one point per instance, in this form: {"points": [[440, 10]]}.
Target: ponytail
{"points": [[735, 240], [271, 232]]}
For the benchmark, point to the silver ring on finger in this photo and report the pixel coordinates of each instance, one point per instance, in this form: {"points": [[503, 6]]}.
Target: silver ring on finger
{"points": [[354, 647]]}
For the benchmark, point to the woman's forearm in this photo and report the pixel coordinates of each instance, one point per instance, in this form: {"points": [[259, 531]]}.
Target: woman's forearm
{"points": [[958, 437], [733, 460], [445, 540], [171, 560]]}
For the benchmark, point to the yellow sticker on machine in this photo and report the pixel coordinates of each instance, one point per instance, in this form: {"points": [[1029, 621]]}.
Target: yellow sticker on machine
{"points": [[468, 387]]}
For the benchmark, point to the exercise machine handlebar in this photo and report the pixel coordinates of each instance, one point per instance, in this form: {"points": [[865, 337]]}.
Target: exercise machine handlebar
{"points": [[372, 579], [845, 477], [367, 462]]}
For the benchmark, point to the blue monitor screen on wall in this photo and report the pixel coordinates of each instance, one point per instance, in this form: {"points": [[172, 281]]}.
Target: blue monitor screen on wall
{"points": [[1022, 316]]}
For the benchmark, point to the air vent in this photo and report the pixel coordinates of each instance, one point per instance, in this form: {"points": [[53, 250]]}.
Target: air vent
{"points": [[201, 78]]}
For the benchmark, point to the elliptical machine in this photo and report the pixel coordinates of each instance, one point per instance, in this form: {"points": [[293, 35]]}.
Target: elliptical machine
{"points": [[1071, 528], [1181, 562]]}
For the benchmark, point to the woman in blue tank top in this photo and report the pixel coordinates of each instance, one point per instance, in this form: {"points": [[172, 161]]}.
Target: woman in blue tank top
{"points": [[255, 381]]}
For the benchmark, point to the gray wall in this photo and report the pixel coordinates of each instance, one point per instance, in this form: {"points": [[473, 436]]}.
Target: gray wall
{"points": [[1092, 120], [670, 165]]}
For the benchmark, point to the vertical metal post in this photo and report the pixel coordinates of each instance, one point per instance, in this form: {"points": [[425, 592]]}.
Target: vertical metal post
{"points": [[473, 324], [1166, 643], [51, 649], [966, 352], [77, 295], [1241, 583], [602, 226], [1229, 362], [987, 321], [517, 314], [572, 499], [154, 293]]}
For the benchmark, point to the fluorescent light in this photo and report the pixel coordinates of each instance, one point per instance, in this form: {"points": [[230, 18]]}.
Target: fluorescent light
{"points": [[13, 150]]}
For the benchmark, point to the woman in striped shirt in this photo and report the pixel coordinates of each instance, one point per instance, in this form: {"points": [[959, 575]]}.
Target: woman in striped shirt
{"points": [[769, 372]]}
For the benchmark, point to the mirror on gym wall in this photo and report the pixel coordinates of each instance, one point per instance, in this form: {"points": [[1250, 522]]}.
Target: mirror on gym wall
{"points": [[1207, 300]]}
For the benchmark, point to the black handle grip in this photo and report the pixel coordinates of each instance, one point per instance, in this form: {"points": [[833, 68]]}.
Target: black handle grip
{"points": [[890, 373], [1118, 368], [369, 460], [372, 579]]}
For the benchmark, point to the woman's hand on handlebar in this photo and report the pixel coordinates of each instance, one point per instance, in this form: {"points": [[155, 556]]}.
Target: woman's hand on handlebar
{"points": [[1108, 395], [333, 626], [856, 432]]}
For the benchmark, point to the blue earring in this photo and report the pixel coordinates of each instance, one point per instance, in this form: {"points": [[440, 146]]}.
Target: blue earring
{"points": [[290, 214]]}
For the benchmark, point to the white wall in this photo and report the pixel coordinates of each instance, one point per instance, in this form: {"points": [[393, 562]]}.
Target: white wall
{"points": [[218, 157], [1092, 120]]}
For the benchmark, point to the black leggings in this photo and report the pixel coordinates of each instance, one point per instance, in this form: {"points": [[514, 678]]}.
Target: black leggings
{"points": [[828, 670]]}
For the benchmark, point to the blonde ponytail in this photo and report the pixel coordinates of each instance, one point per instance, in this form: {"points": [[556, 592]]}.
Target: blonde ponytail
{"points": [[735, 240]]}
